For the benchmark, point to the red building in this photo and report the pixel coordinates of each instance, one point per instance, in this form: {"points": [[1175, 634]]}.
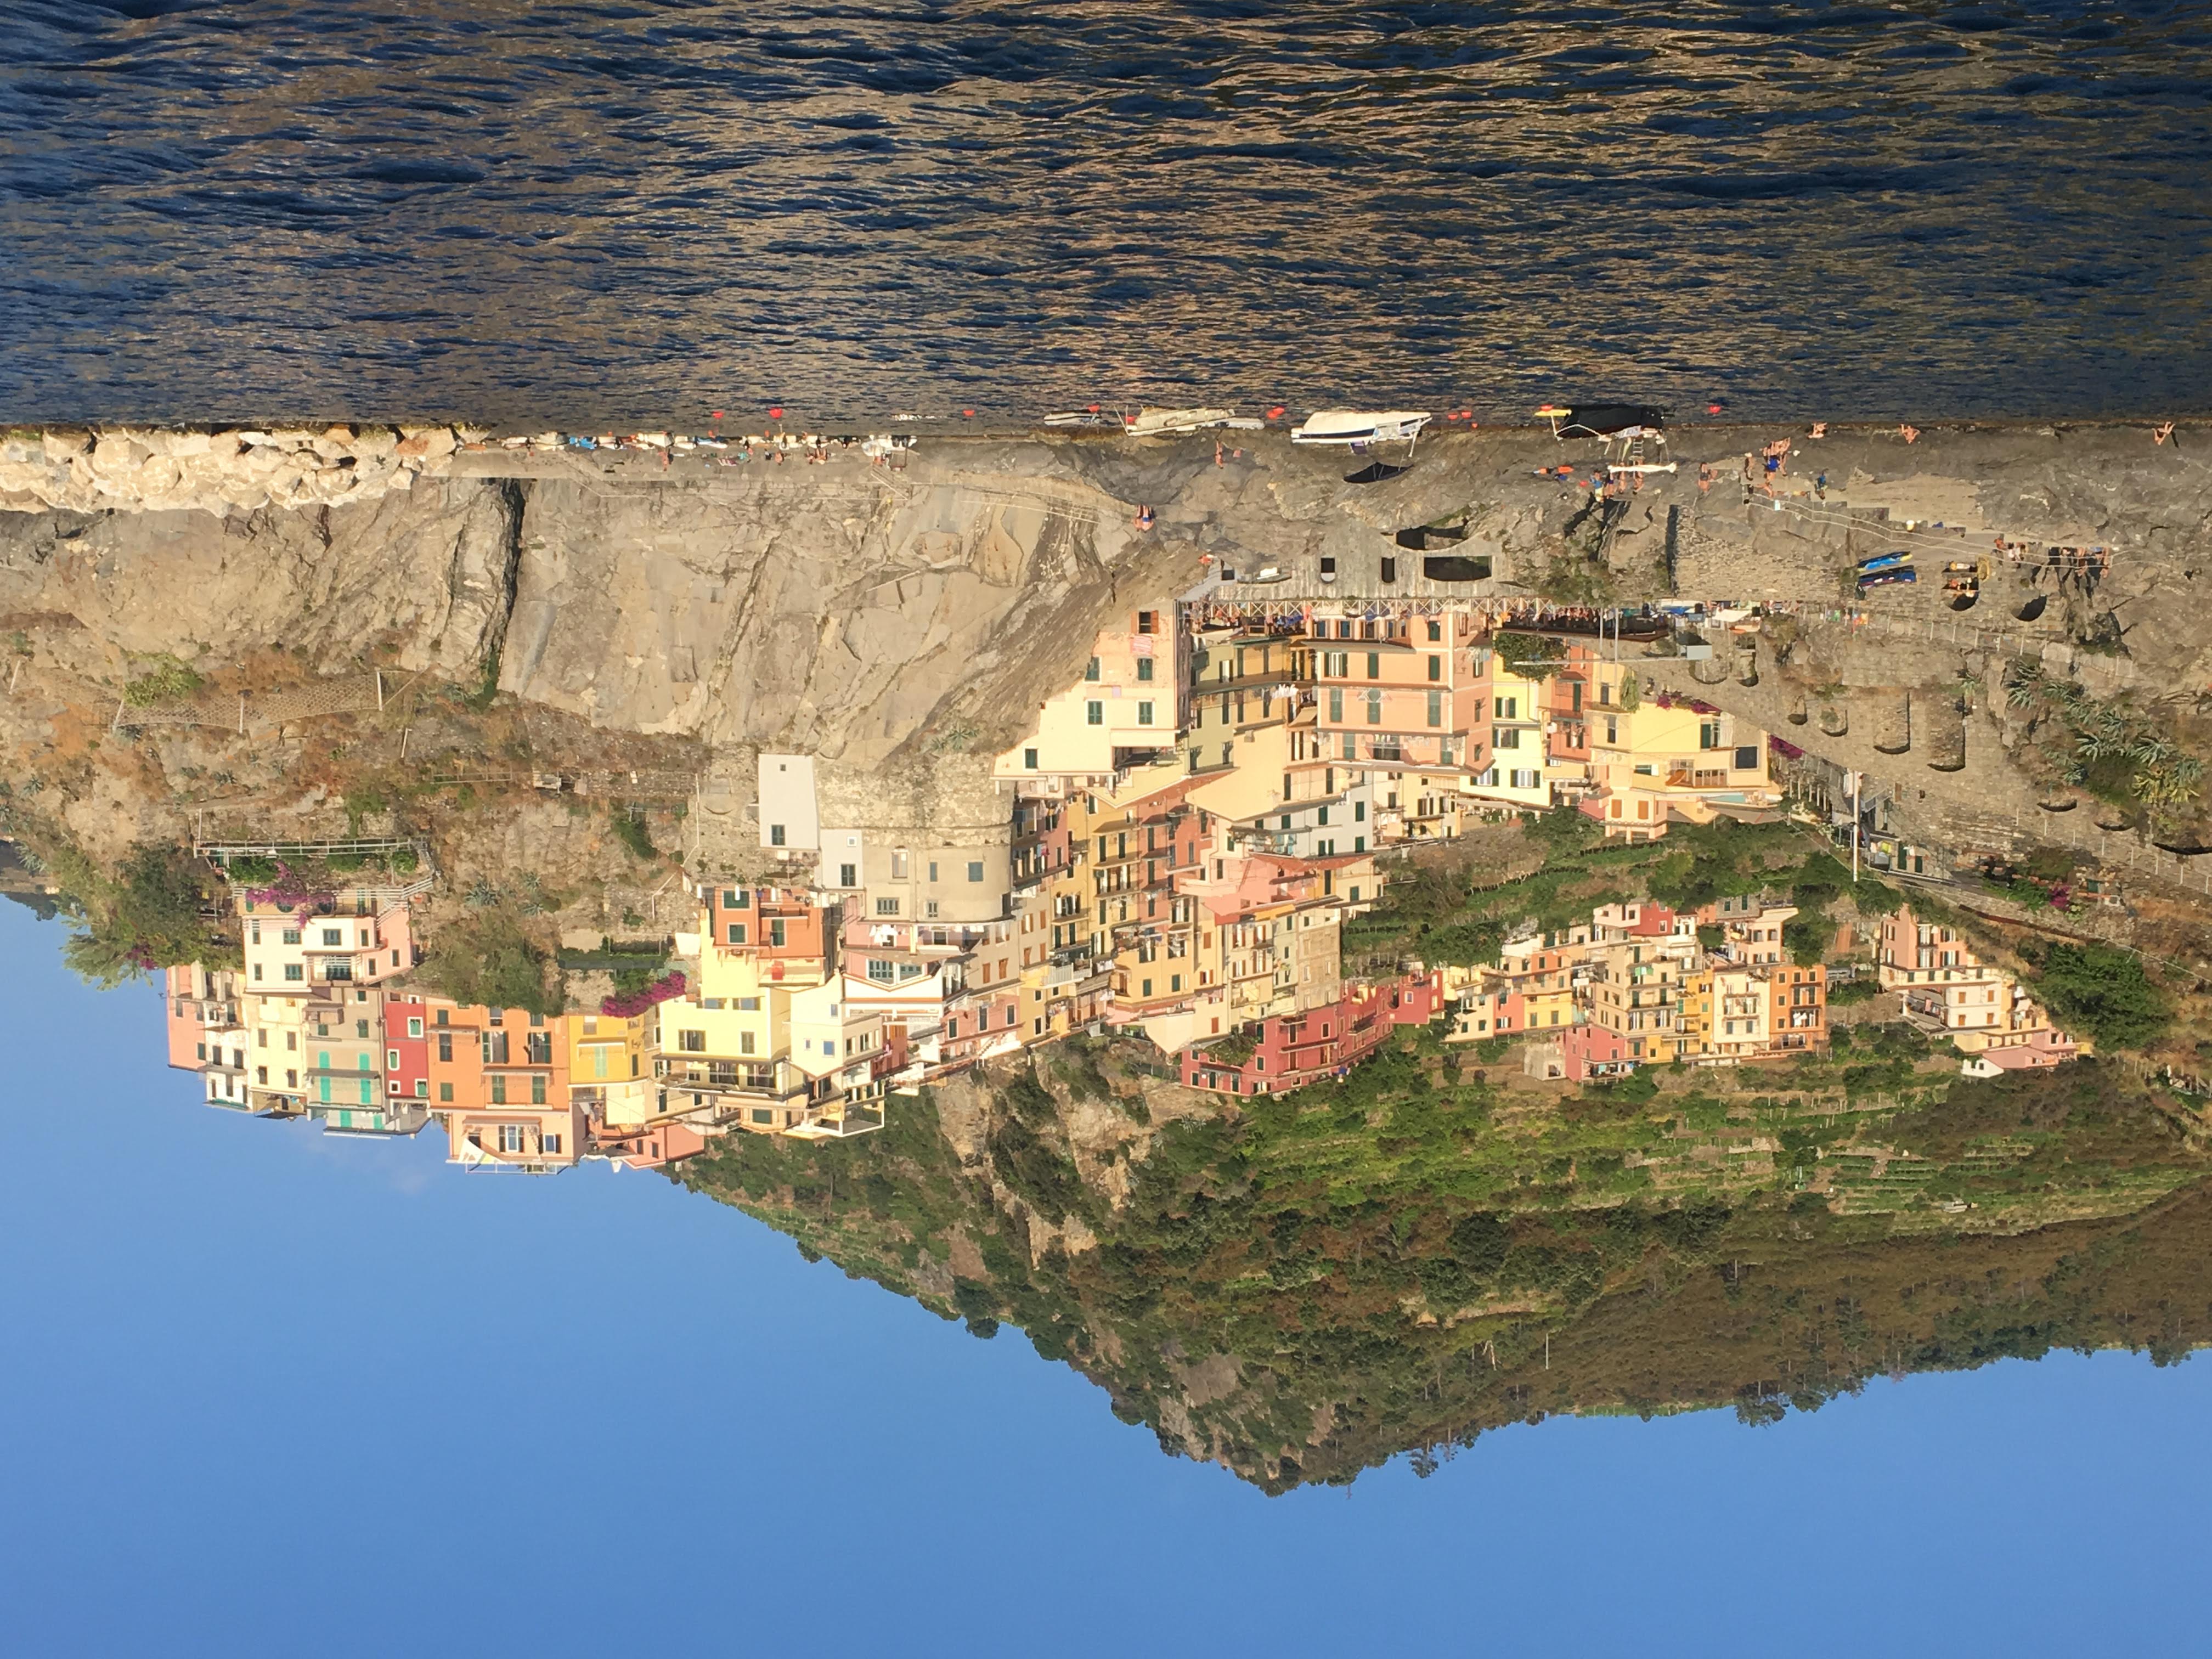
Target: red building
{"points": [[1289, 1051], [406, 1048]]}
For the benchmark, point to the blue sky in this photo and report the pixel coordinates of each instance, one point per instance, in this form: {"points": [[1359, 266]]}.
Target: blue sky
{"points": [[267, 1391]]}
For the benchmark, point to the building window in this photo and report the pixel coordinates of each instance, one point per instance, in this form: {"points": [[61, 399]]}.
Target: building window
{"points": [[549, 1143], [291, 936], [1028, 763], [445, 1094], [1746, 758], [882, 970], [1336, 702], [737, 931], [414, 1025], [1091, 671], [334, 936], [692, 1043], [538, 1088], [847, 874], [1144, 668], [294, 972], [976, 870], [1359, 812], [1375, 665], [1144, 713], [775, 835], [1351, 747], [392, 1060], [887, 907], [1527, 780], [1094, 714], [1435, 705], [1505, 736], [422, 1088], [499, 1091], [1375, 709], [1436, 663], [510, 1137]]}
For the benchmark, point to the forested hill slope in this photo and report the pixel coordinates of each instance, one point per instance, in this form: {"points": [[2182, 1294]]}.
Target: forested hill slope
{"points": [[1400, 1262]]}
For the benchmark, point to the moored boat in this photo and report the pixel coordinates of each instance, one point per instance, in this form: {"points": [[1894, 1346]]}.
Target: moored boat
{"points": [[1350, 427]]}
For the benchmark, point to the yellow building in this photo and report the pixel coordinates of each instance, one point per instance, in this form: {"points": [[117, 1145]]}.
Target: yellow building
{"points": [[1127, 707], [1648, 762], [1519, 769]]}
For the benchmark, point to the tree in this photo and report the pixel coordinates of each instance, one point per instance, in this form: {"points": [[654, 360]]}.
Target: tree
{"points": [[1531, 656], [2105, 991], [154, 912]]}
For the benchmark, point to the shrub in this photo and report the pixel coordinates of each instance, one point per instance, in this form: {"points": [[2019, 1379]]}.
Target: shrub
{"points": [[1531, 656], [630, 831], [489, 959], [165, 680], [627, 1003]]}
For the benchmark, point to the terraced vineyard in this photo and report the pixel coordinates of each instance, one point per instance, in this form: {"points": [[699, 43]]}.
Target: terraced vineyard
{"points": [[1386, 1263]]}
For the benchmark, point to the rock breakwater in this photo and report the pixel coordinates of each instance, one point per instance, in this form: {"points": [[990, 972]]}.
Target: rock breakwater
{"points": [[145, 469]]}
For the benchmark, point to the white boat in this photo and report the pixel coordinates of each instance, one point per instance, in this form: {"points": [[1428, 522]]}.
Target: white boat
{"points": [[1268, 573], [1360, 426], [1161, 423], [1083, 417]]}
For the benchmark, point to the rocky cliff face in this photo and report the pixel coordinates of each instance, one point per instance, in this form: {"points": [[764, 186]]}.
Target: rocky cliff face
{"points": [[902, 621]]}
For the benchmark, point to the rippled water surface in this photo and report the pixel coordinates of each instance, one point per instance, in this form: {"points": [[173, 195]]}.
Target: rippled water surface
{"points": [[646, 209]]}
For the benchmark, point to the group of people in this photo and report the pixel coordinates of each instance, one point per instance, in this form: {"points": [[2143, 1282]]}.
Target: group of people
{"points": [[2086, 565]]}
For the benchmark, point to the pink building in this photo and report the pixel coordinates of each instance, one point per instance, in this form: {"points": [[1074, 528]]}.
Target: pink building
{"points": [[1590, 1050]]}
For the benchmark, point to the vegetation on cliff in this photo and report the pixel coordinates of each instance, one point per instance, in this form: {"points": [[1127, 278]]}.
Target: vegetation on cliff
{"points": [[1381, 1265]]}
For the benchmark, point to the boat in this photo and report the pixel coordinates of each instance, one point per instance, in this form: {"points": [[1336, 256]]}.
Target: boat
{"points": [[1885, 577], [1164, 423], [1267, 574], [1360, 426], [1879, 562], [1082, 417], [1603, 420]]}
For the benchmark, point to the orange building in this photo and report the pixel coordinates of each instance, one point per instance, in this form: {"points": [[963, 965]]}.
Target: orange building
{"points": [[1408, 693]]}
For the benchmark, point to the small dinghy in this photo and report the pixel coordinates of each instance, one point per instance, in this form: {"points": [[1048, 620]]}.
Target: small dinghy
{"points": [[1168, 422]]}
